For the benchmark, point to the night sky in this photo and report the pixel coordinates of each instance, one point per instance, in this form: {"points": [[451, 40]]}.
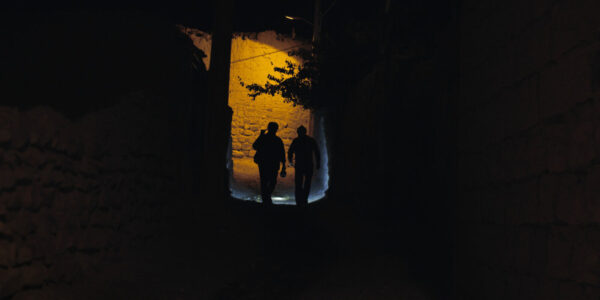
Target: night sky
{"points": [[248, 15]]}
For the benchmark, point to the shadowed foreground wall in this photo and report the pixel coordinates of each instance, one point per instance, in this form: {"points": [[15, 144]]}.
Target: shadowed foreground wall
{"points": [[75, 193], [95, 141], [529, 197], [391, 151]]}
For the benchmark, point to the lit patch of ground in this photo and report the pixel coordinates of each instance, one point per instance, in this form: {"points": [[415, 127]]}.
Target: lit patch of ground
{"points": [[245, 184]]}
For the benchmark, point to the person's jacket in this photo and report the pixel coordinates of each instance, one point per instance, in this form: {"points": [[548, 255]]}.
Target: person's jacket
{"points": [[269, 150]]}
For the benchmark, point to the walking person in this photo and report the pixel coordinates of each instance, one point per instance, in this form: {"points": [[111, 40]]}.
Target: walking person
{"points": [[303, 148], [269, 154]]}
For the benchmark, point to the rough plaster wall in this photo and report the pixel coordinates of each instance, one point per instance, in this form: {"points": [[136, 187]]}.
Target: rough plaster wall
{"points": [[253, 57], [529, 128], [74, 193]]}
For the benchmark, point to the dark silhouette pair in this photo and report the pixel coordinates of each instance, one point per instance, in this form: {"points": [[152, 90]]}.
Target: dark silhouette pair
{"points": [[270, 153]]}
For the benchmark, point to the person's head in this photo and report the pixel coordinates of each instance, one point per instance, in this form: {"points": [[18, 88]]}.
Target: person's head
{"points": [[301, 131], [272, 127]]}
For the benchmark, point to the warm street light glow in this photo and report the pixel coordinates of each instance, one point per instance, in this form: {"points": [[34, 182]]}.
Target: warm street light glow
{"points": [[299, 18]]}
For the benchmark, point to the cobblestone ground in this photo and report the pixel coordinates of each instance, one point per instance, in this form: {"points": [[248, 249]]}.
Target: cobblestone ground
{"points": [[245, 253]]}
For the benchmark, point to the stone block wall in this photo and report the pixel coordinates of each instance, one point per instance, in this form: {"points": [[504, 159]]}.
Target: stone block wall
{"points": [[253, 56], [74, 193], [528, 142]]}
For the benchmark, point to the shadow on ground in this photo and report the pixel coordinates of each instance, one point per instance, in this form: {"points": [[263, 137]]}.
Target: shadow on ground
{"points": [[241, 251]]}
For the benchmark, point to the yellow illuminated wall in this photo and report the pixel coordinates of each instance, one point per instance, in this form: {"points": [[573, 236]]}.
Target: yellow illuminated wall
{"points": [[252, 60], [253, 57]]}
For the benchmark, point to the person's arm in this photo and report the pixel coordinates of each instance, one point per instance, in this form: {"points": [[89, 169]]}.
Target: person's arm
{"points": [[317, 154], [291, 152], [282, 154], [258, 140]]}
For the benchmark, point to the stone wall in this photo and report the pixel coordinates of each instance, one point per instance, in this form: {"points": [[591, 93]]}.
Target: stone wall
{"points": [[253, 56], [528, 150], [77, 192], [391, 144]]}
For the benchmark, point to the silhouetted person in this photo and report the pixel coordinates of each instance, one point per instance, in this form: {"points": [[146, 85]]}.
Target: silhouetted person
{"points": [[269, 154], [304, 147]]}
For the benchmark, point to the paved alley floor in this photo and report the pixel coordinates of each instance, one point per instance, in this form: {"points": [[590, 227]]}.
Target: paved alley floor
{"points": [[247, 253]]}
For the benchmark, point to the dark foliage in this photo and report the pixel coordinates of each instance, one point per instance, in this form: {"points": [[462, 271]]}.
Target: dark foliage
{"points": [[294, 82]]}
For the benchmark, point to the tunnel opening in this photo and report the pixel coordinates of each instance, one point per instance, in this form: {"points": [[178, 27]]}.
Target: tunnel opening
{"points": [[253, 57], [244, 181]]}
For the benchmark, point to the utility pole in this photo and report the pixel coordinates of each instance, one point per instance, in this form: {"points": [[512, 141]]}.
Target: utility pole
{"points": [[217, 115], [317, 23]]}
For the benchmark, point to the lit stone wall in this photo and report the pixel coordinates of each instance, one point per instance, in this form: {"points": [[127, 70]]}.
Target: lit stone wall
{"points": [[253, 57]]}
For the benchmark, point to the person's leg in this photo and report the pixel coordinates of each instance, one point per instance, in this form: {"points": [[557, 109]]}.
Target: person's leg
{"points": [[264, 185], [301, 199], [271, 178], [272, 181]]}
